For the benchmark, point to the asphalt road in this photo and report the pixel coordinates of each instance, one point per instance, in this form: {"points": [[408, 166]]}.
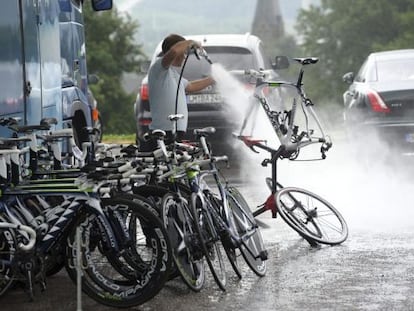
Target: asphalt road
{"points": [[372, 270]]}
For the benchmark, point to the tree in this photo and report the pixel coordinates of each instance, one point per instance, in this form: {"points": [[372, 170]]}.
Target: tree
{"points": [[111, 51], [342, 33]]}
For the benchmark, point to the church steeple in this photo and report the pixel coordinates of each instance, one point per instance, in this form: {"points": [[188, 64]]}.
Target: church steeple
{"points": [[268, 22]]}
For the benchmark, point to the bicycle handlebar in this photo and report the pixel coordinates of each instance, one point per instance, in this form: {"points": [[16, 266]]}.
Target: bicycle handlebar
{"points": [[285, 151]]}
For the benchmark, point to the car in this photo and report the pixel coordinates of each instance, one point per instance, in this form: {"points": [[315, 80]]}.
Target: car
{"points": [[380, 98], [234, 52]]}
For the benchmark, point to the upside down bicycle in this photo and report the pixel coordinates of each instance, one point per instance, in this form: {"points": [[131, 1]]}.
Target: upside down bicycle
{"points": [[313, 217]]}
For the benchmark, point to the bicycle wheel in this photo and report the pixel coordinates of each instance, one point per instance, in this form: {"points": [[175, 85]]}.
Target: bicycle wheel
{"points": [[311, 216], [228, 243], [251, 245], [209, 239], [133, 274], [8, 246], [152, 193], [180, 226]]}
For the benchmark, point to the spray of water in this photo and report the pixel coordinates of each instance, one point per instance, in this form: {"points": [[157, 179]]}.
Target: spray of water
{"points": [[235, 95], [365, 181]]}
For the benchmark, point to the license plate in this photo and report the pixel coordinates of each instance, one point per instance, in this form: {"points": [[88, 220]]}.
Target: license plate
{"points": [[409, 138], [204, 99]]}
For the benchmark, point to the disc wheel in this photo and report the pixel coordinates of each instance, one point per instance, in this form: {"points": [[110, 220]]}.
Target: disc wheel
{"points": [[311, 216], [133, 274], [180, 226], [251, 244]]}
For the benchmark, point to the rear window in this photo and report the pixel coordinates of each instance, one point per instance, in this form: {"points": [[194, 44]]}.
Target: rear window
{"points": [[395, 70], [230, 57]]}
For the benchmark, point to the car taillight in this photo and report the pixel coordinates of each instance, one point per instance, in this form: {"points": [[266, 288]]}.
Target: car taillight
{"points": [[95, 114], [144, 121], [377, 104], [144, 92]]}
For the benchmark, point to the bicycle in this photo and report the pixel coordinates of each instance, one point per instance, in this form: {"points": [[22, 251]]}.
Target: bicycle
{"points": [[125, 251], [313, 217], [223, 218], [231, 214]]}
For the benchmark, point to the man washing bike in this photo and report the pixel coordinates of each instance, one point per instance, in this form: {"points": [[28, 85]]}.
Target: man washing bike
{"points": [[167, 88]]}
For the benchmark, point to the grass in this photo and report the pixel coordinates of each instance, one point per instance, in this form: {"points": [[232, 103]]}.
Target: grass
{"points": [[121, 139]]}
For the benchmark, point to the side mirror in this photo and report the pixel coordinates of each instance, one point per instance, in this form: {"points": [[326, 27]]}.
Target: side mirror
{"points": [[348, 77], [93, 79], [281, 62], [101, 5]]}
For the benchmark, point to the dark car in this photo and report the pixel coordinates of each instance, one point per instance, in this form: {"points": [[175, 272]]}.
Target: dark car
{"points": [[380, 98], [206, 108]]}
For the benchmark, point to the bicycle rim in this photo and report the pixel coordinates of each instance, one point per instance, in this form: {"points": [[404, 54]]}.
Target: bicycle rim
{"points": [[311, 216], [252, 246], [209, 240], [180, 227], [7, 254], [123, 280]]}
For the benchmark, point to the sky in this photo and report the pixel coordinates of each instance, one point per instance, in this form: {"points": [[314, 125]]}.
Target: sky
{"points": [[126, 5]]}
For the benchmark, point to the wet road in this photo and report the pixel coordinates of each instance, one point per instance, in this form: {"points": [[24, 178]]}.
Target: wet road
{"points": [[372, 270]]}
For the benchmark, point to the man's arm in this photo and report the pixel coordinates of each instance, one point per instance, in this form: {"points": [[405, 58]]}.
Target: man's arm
{"points": [[177, 50], [198, 85]]}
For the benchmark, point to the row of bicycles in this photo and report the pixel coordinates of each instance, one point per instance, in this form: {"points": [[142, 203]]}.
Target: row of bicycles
{"points": [[123, 222], [128, 221]]}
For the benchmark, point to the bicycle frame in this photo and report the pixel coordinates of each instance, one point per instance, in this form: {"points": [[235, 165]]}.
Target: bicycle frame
{"points": [[283, 121], [284, 124]]}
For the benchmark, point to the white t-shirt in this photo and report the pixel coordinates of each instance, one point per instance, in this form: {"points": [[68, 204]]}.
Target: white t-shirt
{"points": [[162, 88]]}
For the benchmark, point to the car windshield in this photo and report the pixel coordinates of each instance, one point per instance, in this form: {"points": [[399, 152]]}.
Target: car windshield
{"points": [[395, 70], [230, 57]]}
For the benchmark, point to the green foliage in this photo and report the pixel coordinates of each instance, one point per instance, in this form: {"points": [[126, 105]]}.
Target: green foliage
{"points": [[342, 33], [111, 51]]}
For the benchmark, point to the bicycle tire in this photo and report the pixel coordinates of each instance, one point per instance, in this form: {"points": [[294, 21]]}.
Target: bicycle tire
{"points": [[101, 281], [209, 240], [252, 245], [130, 256], [180, 226], [8, 247], [153, 193], [229, 245], [323, 223]]}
